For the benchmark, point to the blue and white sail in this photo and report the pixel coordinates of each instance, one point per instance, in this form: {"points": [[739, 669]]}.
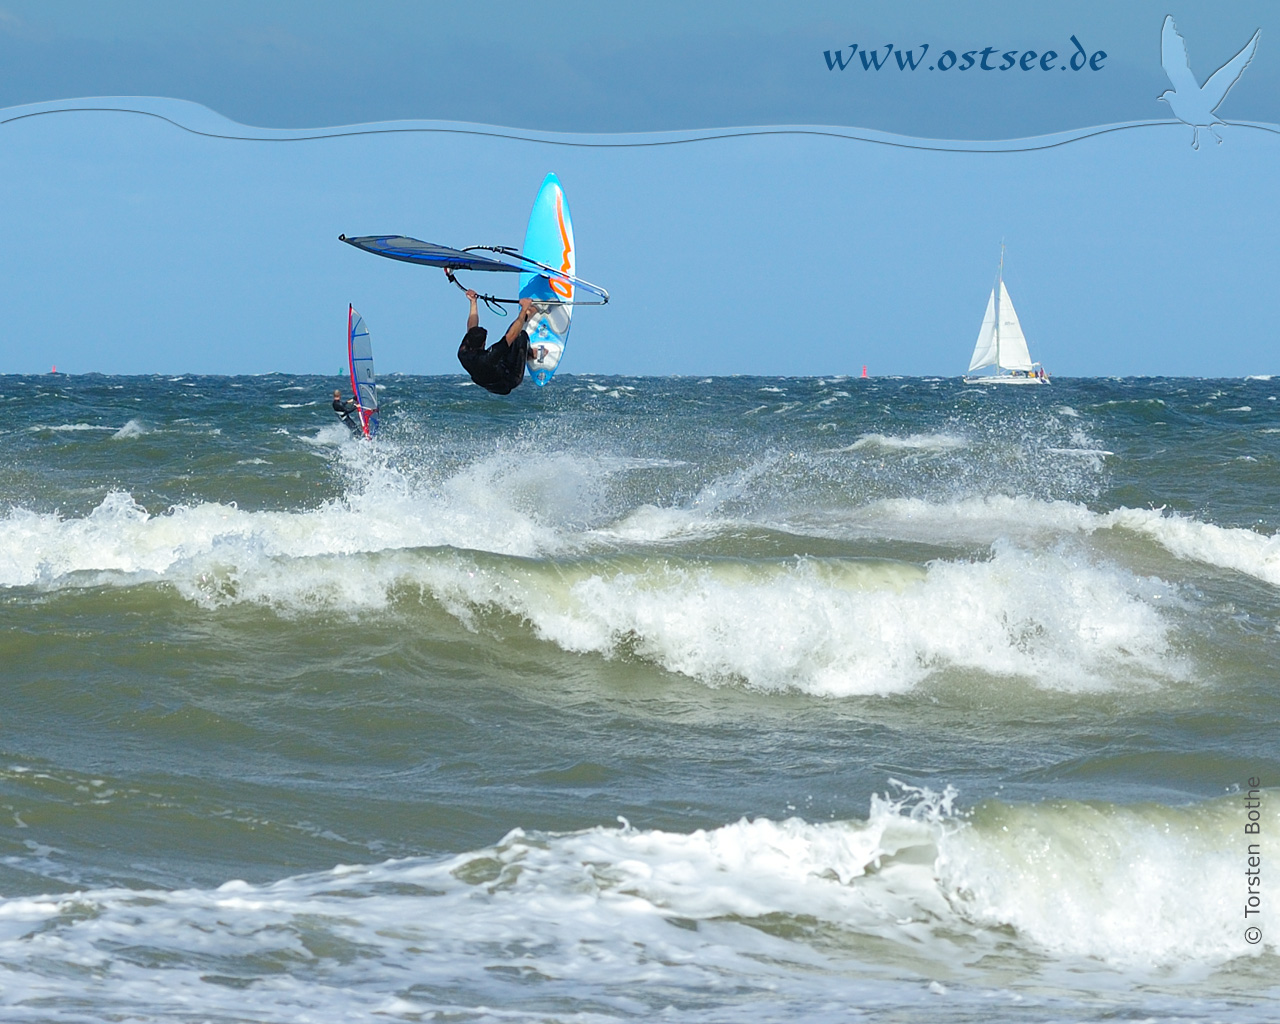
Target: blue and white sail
{"points": [[363, 381]]}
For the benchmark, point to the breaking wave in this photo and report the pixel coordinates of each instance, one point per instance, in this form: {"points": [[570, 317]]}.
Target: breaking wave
{"points": [[1014, 587], [1054, 898]]}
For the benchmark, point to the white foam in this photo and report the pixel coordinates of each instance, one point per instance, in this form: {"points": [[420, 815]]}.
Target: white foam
{"points": [[499, 504], [833, 627], [653, 524], [327, 436], [1042, 608], [780, 919], [68, 427], [133, 428], [1245, 551], [912, 442], [971, 520], [1034, 522], [845, 628], [1145, 885], [618, 391]]}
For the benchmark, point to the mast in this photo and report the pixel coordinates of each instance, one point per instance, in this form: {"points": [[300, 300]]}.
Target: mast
{"points": [[999, 292]]}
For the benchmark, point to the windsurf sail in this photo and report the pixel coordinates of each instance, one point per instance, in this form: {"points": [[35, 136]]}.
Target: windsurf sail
{"points": [[561, 284], [363, 383], [410, 250]]}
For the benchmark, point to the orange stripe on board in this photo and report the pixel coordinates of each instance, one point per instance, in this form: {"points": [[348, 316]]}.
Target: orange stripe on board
{"points": [[563, 288]]}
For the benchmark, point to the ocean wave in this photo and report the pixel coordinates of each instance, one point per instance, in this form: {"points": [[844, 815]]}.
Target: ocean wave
{"points": [[1012, 588], [911, 442], [67, 427], [834, 627], [1034, 522], [847, 627], [540, 541], [133, 428], [513, 504], [1061, 898], [504, 504], [1241, 550]]}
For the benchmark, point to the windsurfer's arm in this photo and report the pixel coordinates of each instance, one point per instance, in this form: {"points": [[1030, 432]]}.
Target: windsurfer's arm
{"points": [[473, 318], [517, 325]]}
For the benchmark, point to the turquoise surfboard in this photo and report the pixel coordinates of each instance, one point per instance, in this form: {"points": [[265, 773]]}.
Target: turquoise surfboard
{"points": [[549, 240]]}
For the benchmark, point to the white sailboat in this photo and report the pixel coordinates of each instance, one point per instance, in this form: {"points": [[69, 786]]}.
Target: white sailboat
{"points": [[1001, 342]]}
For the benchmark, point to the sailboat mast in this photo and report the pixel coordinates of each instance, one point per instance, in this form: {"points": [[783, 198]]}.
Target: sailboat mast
{"points": [[999, 291]]}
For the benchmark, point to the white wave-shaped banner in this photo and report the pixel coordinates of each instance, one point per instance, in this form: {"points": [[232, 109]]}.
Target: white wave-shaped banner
{"points": [[200, 120]]}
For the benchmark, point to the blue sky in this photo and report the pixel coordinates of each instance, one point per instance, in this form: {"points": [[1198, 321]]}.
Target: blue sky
{"points": [[136, 247]]}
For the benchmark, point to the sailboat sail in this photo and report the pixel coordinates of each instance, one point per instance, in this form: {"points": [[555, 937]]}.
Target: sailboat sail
{"points": [[360, 356], [984, 352], [1013, 343], [1001, 342]]}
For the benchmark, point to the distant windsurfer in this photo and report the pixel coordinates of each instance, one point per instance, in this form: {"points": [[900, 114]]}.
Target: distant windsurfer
{"points": [[500, 367], [344, 411]]}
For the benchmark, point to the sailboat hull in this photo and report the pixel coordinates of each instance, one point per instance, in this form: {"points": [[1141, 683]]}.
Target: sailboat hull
{"points": [[1000, 378]]}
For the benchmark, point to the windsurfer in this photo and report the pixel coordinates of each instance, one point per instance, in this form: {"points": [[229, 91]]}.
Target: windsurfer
{"points": [[344, 411], [500, 367]]}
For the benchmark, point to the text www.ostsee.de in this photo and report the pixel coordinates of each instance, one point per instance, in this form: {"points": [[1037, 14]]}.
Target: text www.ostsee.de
{"points": [[989, 58]]}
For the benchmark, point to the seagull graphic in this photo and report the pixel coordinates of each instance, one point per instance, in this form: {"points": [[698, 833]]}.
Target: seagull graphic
{"points": [[1191, 102]]}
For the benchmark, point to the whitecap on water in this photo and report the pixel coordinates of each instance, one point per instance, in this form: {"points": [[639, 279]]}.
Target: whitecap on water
{"points": [[911, 442], [133, 428], [770, 919]]}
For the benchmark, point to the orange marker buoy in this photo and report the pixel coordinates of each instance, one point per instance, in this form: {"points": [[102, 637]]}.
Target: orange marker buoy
{"points": [[864, 371]]}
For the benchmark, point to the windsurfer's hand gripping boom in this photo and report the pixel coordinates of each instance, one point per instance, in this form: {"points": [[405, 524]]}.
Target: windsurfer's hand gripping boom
{"points": [[528, 310]]}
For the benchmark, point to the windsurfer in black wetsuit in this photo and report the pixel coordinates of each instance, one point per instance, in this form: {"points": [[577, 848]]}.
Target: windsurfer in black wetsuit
{"points": [[500, 367], [344, 411]]}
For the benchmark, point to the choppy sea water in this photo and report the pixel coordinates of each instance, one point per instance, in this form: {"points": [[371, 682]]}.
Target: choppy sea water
{"points": [[634, 698]]}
